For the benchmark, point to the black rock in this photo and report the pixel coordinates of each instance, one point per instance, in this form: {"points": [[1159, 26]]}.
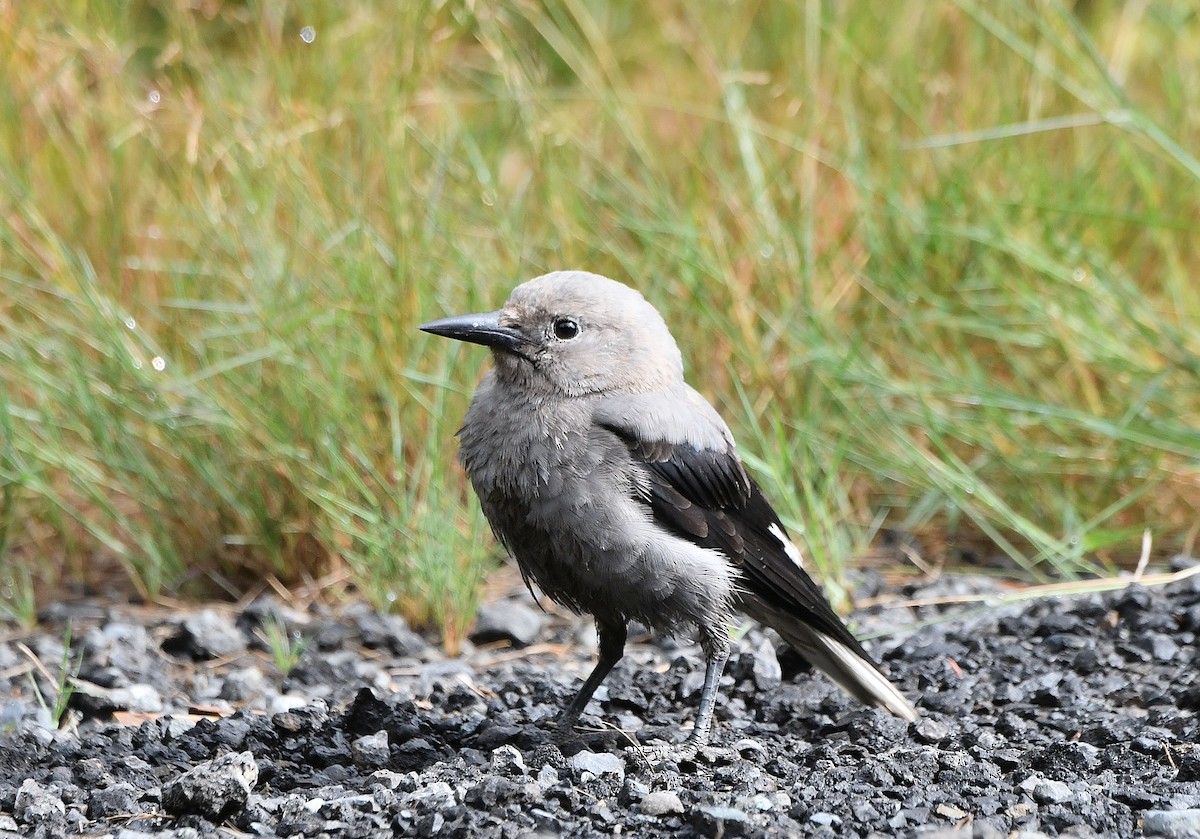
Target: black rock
{"points": [[214, 790], [119, 799]]}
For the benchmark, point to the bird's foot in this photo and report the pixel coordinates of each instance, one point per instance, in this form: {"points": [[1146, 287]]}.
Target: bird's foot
{"points": [[689, 752]]}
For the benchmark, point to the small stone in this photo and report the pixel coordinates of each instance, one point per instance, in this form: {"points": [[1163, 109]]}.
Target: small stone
{"points": [[547, 777], [214, 789], [386, 778], [125, 647], [1007, 759], [491, 793], [430, 825], [506, 620], [720, 821], [690, 685], [598, 764], [285, 703], [1182, 562], [661, 803], [862, 810], [40, 807], [766, 672], [950, 812], [1172, 824], [1189, 767], [436, 796], [508, 760], [827, 819], [242, 684], [388, 632], [92, 773], [371, 751], [1052, 792], [929, 730], [206, 634], [1163, 648], [119, 799], [139, 698]]}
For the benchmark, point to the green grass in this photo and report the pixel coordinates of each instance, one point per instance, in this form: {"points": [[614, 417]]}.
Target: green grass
{"points": [[934, 261], [286, 647], [56, 698]]}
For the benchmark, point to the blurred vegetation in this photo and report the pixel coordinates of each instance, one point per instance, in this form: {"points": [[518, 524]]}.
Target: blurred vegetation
{"points": [[935, 261]]}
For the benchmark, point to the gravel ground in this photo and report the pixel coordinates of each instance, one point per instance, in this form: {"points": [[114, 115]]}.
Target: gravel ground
{"points": [[1071, 716]]}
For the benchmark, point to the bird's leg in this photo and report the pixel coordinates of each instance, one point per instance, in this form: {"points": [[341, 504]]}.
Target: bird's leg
{"points": [[716, 649], [715, 642], [612, 648]]}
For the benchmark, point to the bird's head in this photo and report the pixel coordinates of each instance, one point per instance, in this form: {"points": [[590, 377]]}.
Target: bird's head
{"points": [[575, 334]]}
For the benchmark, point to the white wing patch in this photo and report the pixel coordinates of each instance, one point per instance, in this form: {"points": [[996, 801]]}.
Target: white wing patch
{"points": [[791, 550]]}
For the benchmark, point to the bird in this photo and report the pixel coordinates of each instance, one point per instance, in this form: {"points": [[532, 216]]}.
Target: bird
{"points": [[618, 489]]}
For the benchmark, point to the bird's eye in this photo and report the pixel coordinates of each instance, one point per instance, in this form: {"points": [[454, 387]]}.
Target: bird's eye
{"points": [[565, 329]]}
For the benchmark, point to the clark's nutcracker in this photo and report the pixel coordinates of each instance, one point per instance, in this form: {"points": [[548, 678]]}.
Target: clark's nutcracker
{"points": [[618, 489]]}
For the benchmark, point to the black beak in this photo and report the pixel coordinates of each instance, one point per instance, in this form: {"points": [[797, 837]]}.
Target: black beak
{"points": [[483, 329]]}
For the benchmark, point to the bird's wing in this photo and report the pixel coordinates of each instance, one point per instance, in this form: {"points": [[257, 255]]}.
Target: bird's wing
{"points": [[702, 493]]}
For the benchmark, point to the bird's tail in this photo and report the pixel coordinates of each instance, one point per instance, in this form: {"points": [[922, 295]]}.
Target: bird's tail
{"points": [[846, 663]]}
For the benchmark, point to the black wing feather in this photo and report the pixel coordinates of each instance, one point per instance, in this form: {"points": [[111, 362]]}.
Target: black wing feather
{"points": [[705, 495]]}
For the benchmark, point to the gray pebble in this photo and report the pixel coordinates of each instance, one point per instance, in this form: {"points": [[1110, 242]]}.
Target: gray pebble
{"points": [[929, 730], [139, 698], [113, 801], [126, 647], [766, 672], [435, 796], [1163, 648], [371, 751], [1052, 792], [1173, 824], [242, 684], [718, 821], [598, 764], [633, 791], [39, 806], [207, 634], [214, 789], [285, 702], [508, 760], [661, 803], [547, 777], [506, 620], [387, 632]]}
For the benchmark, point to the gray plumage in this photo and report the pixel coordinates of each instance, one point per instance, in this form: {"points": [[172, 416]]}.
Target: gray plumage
{"points": [[618, 489]]}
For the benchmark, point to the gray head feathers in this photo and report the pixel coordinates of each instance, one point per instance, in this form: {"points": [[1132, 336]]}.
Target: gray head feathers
{"points": [[585, 334]]}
